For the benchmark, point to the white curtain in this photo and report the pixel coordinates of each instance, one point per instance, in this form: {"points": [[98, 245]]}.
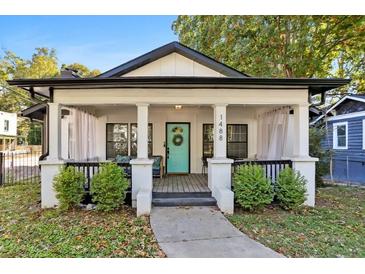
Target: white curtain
{"points": [[82, 136], [272, 130]]}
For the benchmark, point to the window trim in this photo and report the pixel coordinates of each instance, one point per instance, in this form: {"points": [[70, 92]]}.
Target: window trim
{"points": [[335, 137], [227, 142], [106, 137], [130, 139]]}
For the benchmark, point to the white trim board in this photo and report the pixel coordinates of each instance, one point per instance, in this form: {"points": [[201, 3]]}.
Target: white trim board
{"points": [[334, 135], [343, 99], [363, 134], [342, 116], [347, 116]]}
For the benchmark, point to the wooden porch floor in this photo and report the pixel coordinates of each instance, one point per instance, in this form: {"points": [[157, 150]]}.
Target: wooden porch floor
{"points": [[181, 183]]}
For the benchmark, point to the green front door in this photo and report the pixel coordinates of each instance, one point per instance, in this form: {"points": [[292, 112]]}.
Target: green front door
{"points": [[177, 147]]}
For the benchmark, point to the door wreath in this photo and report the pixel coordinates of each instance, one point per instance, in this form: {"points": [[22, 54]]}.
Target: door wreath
{"points": [[177, 140]]}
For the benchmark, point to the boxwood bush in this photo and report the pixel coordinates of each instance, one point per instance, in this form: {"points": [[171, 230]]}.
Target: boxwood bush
{"points": [[108, 187], [290, 189], [252, 189], [69, 187]]}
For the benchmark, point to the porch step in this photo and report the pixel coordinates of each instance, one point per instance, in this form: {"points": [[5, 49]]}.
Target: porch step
{"points": [[181, 194], [187, 201]]}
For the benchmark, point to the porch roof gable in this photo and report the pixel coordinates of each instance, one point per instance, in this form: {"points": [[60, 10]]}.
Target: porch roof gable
{"points": [[173, 47]]}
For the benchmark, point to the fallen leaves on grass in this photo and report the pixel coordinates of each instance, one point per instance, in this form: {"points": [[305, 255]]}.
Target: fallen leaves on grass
{"points": [[29, 231], [334, 228]]}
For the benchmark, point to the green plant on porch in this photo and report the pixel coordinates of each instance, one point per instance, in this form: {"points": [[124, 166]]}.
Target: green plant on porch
{"points": [[69, 187], [290, 189], [252, 189], [108, 187]]}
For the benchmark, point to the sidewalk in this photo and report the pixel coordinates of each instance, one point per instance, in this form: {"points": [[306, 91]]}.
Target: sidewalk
{"points": [[203, 232]]}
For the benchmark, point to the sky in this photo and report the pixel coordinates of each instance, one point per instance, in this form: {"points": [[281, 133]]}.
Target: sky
{"points": [[99, 42]]}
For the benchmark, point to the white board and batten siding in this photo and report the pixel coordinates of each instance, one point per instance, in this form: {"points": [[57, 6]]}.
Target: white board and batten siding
{"points": [[174, 64]]}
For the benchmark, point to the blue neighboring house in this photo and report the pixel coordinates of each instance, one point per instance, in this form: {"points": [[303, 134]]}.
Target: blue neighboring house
{"points": [[345, 123]]}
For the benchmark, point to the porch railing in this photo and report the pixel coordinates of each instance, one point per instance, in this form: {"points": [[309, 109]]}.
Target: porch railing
{"points": [[271, 168], [89, 169]]}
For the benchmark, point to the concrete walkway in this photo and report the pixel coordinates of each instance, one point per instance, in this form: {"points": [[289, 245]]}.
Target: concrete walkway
{"points": [[202, 232]]}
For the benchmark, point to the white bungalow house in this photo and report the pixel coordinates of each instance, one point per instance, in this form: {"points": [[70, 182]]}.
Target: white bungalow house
{"points": [[191, 110]]}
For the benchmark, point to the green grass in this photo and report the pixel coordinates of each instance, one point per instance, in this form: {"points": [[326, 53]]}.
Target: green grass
{"points": [[334, 228], [28, 231]]}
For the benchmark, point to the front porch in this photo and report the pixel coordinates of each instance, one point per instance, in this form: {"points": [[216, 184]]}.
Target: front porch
{"points": [[188, 139], [180, 190], [190, 183]]}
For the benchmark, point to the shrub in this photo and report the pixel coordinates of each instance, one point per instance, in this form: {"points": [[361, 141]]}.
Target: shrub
{"points": [[251, 187], [108, 187], [316, 137], [290, 189], [69, 187]]}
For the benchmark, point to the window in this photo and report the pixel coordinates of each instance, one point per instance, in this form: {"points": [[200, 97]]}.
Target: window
{"points": [[236, 141], [116, 140], [6, 125], [134, 139], [208, 140], [340, 135]]}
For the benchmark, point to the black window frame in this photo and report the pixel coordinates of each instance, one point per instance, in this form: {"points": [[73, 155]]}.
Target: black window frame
{"points": [[107, 142], [205, 156], [150, 142], [238, 142], [228, 142]]}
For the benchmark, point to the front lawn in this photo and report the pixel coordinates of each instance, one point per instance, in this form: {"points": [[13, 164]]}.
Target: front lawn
{"points": [[28, 231], [334, 228]]}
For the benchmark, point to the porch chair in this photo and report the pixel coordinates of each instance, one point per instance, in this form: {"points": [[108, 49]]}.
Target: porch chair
{"points": [[205, 163], [157, 167], [123, 161]]}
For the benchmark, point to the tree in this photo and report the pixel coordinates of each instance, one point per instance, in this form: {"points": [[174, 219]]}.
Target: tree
{"points": [[281, 46], [43, 64]]}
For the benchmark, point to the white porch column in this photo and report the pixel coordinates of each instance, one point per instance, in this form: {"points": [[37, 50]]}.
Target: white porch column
{"points": [[142, 166], [302, 162], [142, 131], [54, 110], [51, 166], [220, 131], [301, 131], [219, 167]]}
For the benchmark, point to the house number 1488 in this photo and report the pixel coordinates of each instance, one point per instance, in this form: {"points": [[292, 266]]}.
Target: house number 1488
{"points": [[220, 128]]}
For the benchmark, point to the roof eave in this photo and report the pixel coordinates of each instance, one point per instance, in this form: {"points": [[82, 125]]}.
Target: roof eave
{"points": [[315, 86]]}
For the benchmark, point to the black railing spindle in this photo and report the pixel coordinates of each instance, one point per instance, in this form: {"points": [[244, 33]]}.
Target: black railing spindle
{"points": [[271, 168]]}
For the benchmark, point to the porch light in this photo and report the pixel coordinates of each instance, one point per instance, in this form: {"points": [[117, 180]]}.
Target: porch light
{"points": [[178, 106]]}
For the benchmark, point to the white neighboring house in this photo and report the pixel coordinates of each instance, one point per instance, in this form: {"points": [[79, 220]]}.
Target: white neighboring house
{"points": [[188, 108], [8, 131]]}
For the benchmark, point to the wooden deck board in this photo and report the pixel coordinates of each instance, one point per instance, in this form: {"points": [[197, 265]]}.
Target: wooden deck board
{"points": [[181, 183]]}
